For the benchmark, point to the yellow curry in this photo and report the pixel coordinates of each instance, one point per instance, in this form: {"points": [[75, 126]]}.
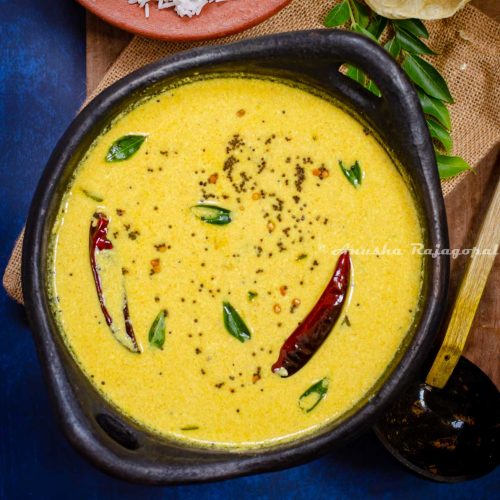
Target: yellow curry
{"points": [[200, 231]]}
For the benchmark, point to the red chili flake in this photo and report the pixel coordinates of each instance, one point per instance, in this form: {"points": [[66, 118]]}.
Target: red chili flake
{"points": [[257, 375], [213, 178], [155, 266]]}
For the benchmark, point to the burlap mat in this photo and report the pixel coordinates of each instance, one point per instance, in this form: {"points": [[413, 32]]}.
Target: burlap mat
{"points": [[468, 45]]}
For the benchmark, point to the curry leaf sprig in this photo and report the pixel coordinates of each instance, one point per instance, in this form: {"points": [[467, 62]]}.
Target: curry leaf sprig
{"points": [[405, 44]]}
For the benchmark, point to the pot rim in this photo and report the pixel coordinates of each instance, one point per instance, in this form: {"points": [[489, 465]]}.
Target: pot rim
{"points": [[73, 421]]}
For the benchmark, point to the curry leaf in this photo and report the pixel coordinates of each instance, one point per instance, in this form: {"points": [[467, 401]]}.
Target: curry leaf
{"points": [[338, 15], [363, 31], [440, 134], [372, 87], [314, 395], [412, 44], [356, 74], [360, 13], [426, 77], [432, 89], [354, 174], [413, 26], [212, 214], [156, 334], [377, 26], [436, 108], [449, 166], [234, 324], [125, 147], [251, 295], [393, 47]]}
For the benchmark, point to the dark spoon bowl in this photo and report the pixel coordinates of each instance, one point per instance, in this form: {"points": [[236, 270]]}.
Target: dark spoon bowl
{"points": [[310, 58], [449, 434]]}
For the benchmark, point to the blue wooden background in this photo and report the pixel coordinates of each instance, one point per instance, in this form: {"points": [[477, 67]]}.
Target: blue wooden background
{"points": [[42, 84]]}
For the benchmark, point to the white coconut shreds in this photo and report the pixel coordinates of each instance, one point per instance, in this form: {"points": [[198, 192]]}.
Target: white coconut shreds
{"points": [[188, 8]]}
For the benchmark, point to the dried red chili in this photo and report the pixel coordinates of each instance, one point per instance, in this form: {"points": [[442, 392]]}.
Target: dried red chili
{"points": [[301, 345], [98, 241]]}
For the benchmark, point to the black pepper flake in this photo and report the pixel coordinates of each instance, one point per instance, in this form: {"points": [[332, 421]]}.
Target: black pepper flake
{"points": [[235, 143]]}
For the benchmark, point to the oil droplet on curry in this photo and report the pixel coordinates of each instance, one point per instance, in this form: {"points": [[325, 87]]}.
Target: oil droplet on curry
{"points": [[210, 224]]}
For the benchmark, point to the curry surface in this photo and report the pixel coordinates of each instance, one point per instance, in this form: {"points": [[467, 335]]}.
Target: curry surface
{"points": [[269, 153]]}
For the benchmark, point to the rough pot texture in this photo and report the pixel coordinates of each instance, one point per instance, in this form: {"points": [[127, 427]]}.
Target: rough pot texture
{"points": [[313, 58]]}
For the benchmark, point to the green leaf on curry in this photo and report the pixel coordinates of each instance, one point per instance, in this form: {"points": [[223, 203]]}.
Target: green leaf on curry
{"points": [[125, 147], [354, 174], [428, 78], [436, 108], [252, 295], [338, 15], [234, 324], [449, 166], [156, 334], [313, 396], [440, 134], [212, 214]]}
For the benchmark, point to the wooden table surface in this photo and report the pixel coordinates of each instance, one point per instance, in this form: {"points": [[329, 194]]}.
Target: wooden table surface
{"points": [[465, 207]]}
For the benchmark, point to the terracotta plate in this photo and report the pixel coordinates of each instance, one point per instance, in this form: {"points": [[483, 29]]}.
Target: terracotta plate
{"points": [[216, 19]]}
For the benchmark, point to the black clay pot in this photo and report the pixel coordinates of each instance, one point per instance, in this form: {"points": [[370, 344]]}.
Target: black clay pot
{"points": [[312, 57]]}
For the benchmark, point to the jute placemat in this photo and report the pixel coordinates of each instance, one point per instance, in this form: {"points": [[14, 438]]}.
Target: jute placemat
{"points": [[468, 45]]}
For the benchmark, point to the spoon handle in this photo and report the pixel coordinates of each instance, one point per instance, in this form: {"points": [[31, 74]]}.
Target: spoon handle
{"points": [[469, 295]]}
